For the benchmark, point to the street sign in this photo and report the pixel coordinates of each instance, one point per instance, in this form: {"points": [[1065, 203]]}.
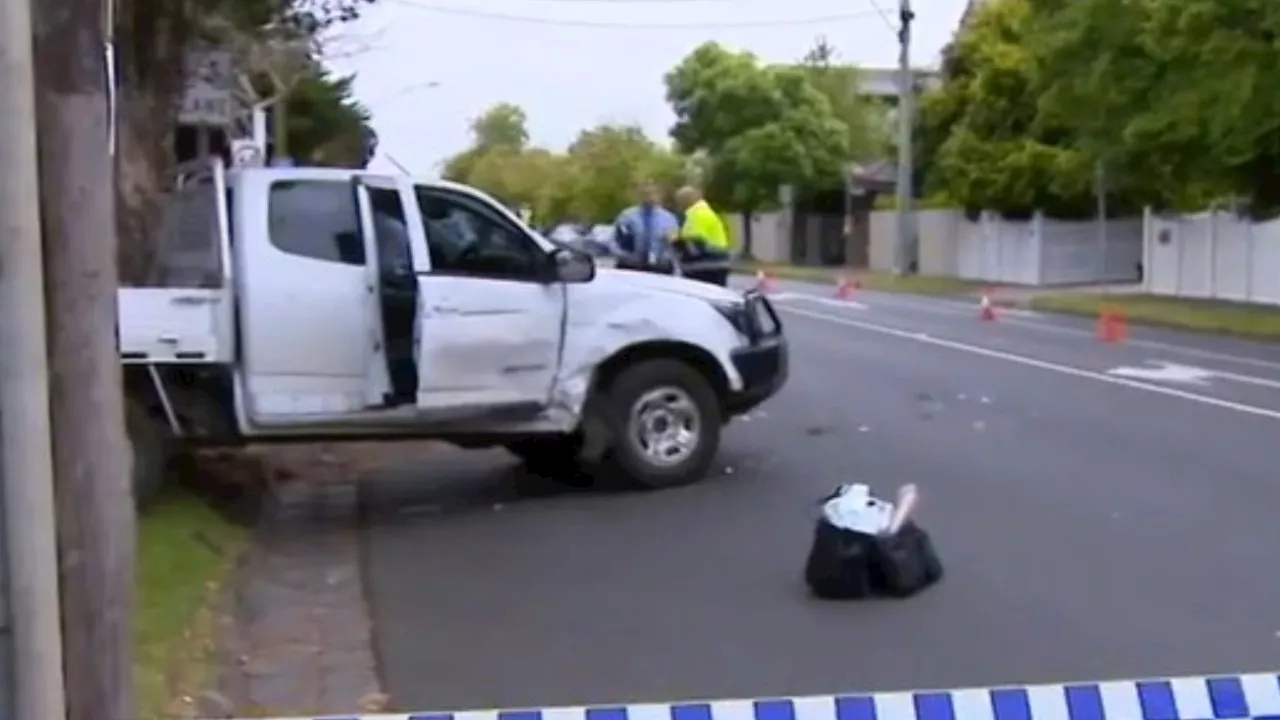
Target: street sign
{"points": [[209, 94]]}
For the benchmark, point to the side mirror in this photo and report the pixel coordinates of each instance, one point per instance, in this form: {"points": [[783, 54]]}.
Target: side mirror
{"points": [[573, 267]]}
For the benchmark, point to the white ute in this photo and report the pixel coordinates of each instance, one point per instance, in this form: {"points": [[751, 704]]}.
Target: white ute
{"points": [[316, 303]]}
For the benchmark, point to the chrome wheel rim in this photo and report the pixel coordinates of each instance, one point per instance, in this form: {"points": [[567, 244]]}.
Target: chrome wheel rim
{"points": [[665, 425]]}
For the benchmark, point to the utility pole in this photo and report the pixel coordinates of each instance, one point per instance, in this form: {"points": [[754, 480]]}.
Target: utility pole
{"points": [[26, 470], [906, 123], [1100, 197], [91, 456]]}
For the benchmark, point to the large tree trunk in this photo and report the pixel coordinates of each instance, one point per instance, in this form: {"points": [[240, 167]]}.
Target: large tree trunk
{"points": [[152, 38], [96, 524], [144, 164]]}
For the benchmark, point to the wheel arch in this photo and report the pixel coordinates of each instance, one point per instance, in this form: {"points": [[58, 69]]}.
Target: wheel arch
{"points": [[696, 357]]}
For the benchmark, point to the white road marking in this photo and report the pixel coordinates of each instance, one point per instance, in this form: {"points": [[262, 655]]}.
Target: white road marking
{"points": [[1041, 364], [834, 302], [1248, 379], [1159, 371], [1163, 371], [1041, 321]]}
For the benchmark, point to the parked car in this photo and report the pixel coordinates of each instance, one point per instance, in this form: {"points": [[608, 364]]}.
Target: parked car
{"points": [[599, 241]]}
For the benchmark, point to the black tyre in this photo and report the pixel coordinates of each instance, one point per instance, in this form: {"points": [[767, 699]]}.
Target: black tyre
{"points": [[665, 422], [152, 449]]}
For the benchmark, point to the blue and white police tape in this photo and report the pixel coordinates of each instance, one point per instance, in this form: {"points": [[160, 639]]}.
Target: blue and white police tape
{"points": [[1226, 697]]}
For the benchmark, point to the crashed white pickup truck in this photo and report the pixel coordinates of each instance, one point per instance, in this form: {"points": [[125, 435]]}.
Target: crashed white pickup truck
{"points": [[313, 303]]}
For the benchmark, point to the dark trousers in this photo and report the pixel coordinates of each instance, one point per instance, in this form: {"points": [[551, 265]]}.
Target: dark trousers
{"points": [[715, 277]]}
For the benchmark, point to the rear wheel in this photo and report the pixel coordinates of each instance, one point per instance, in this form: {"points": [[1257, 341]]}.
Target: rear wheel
{"points": [[665, 423]]}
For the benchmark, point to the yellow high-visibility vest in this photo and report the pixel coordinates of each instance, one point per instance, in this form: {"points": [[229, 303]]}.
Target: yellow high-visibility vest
{"points": [[702, 223]]}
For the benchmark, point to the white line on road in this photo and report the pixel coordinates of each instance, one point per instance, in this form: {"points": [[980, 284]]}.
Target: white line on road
{"points": [[1041, 364], [834, 302], [1248, 379], [1044, 326], [1043, 323]]}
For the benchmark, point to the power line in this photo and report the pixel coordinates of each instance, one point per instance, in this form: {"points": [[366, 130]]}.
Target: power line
{"points": [[619, 2], [884, 15], [559, 22]]}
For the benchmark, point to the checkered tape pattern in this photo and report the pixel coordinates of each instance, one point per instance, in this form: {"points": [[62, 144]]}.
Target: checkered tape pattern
{"points": [[1232, 697]]}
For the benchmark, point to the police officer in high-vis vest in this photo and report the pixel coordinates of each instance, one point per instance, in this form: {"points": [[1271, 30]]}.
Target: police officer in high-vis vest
{"points": [[704, 240]]}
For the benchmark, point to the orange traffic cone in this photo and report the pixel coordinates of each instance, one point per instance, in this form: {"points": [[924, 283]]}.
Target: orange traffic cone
{"points": [[1112, 326], [987, 311], [764, 283], [845, 288]]}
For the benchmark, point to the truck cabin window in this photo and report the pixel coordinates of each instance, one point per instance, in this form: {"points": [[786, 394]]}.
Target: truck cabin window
{"points": [[188, 252], [316, 219], [464, 237]]}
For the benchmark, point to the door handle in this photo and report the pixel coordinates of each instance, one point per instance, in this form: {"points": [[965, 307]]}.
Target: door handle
{"points": [[445, 309]]}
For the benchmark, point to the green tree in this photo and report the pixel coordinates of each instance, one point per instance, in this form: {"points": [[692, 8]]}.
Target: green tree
{"points": [[531, 177], [759, 127], [606, 165], [502, 128], [326, 125], [988, 143], [1174, 94], [866, 119]]}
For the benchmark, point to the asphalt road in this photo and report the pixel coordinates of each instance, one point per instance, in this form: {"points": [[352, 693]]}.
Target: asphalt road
{"points": [[1094, 526]]}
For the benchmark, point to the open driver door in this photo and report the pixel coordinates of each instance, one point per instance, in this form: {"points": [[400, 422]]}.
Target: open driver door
{"points": [[391, 291]]}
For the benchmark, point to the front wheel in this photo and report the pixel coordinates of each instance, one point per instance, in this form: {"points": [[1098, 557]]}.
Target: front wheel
{"points": [[665, 424]]}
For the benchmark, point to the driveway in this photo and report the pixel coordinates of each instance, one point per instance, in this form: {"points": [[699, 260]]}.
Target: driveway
{"points": [[1096, 523]]}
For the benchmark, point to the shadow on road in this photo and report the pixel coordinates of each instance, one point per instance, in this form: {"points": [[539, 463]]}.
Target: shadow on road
{"points": [[461, 482]]}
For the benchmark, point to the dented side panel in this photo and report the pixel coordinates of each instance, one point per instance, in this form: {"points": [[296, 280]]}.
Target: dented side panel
{"points": [[487, 343], [606, 318]]}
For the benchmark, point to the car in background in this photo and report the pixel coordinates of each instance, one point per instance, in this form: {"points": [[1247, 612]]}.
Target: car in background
{"points": [[565, 233], [599, 241]]}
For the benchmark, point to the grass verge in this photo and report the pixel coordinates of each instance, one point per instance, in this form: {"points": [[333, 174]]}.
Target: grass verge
{"points": [[186, 552], [883, 282], [1259, 322]]}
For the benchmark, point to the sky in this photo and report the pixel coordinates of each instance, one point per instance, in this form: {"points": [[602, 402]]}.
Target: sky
{"points": [[426, 68]]}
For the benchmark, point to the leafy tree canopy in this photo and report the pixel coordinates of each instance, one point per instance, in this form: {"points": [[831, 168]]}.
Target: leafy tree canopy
{"points": [[591, 181], [759, 126], [326, 125], [1171, 96]]}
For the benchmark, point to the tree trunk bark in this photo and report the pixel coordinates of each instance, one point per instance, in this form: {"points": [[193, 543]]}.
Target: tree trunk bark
{"points": [[96, 524], [145, 173]]}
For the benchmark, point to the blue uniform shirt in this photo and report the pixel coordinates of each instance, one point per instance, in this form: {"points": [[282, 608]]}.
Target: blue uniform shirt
{"points": [[650, 226]]}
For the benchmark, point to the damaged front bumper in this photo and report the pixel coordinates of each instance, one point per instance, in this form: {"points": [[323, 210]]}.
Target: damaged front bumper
{"points": [[762, 363]]}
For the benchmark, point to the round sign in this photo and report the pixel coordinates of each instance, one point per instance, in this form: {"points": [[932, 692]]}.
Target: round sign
{"points": [[246, 154]]}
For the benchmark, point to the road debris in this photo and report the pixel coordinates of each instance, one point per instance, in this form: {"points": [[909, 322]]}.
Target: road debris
{"points": [[866, 547]]}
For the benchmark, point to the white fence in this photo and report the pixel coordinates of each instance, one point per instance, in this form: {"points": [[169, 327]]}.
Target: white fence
{"points": [[1038, 251], [1212, 255]]}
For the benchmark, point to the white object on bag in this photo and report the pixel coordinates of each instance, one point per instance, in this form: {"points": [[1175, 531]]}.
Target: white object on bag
{"points": [[908, 496], [854, 508]]}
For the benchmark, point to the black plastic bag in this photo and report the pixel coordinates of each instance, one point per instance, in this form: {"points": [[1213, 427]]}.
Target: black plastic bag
{"points": [[839, 566], [904, 563], [848, 565]]}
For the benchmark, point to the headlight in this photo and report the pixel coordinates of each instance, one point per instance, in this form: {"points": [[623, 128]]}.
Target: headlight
{"points": [[754, 318], [737, 314]]}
